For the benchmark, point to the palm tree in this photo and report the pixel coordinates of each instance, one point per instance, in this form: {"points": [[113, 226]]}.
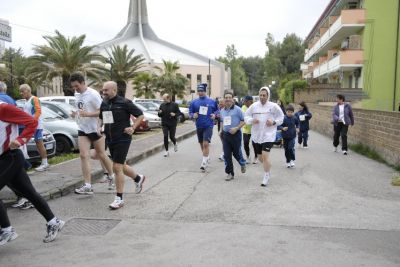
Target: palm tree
{"points": [[124, 66], [61, 57], [170, 81], [145, 85]]}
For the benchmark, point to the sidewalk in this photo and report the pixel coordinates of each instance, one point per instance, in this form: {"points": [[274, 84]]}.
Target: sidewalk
{"points": [[63, 178]]}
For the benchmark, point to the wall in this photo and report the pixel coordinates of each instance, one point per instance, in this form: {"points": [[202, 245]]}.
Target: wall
{"points": [[380, 54], [379, 130]]}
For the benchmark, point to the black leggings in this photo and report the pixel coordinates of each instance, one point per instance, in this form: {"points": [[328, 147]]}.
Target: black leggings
{"points": [[13, 174], [171, 130], [246, 142]]}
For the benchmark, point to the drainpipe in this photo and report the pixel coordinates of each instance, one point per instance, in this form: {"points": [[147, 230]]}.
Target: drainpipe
{"points": [[396, 57]]}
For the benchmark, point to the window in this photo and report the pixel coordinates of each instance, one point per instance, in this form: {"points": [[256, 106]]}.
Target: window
{"points": [[198, 78], [350, 81], [189, 85]]}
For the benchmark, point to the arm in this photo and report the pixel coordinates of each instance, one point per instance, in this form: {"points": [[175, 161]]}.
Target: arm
{"points": [[351, 115], [135, 111], [12, 114], [37, 107], [248, 116], [335, 117], [279, 116]]}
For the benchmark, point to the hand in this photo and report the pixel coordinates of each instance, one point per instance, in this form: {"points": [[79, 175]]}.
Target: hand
{"points": [[195, 115], [14, 144], [73, 114], [159, 111], [255, 121], [297, 130], [233, 130], [285, 129], [82, 113], [129, 130], [172, 114], [213, 116], [270, 122], [99, 131]]}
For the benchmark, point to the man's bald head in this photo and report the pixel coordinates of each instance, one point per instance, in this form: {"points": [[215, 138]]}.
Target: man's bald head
{"points": [[110, 89]]}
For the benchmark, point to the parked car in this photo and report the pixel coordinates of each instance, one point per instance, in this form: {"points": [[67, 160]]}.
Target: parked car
{"points": [[63, 109], [64, 99], [65, 131], [49, 144], [143, 126], [153, 120], [154, 104]]}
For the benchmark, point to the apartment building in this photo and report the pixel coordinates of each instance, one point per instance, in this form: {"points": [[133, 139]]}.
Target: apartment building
{"points": [[355, 45]]}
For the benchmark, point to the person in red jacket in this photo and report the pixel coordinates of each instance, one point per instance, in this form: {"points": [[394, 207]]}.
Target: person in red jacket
{"points": [[13, 174]]}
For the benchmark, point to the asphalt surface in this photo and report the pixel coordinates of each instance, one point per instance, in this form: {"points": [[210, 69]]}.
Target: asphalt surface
{"points": [[330, 210]]}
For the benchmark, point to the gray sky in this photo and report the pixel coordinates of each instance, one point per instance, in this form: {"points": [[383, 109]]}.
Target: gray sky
{"points": [[205, 26]]}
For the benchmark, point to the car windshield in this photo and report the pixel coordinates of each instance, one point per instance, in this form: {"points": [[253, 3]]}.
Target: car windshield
{"points": [[48, 114], [142, 108], [150, 105]]}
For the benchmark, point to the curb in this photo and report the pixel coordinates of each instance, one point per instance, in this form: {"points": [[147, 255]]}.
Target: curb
{"points": [[96, 175]]}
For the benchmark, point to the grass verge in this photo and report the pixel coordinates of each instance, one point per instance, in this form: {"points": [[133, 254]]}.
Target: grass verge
{"points": [[63, 157]]}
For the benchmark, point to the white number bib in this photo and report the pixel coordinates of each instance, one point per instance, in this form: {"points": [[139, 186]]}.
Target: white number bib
{"points": [[227, 121], [108, 117], [203, 110], [302, 117]]}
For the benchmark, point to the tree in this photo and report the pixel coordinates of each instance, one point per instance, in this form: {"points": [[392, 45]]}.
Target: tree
{"points": [[61, 57], [239, 80], [145, 85], [170, 81], [124, 66], [254, 70]]}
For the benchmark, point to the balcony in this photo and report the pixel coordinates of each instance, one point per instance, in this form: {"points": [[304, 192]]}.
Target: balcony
{"points": [[350, 22], [345, 60]]}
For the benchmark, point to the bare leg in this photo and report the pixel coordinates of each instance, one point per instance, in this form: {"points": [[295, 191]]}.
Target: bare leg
{"points": [[84, 147], [41, 149], [128, 171], [99, 146], [265, 161], [119, 177], [206, 149]]}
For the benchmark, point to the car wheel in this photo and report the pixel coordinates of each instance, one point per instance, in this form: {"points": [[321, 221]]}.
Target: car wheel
{"points": [[63, 144]]}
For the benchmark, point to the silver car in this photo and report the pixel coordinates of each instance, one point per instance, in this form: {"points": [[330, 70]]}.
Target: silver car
{"points": [[49, 144], [153, 120]]}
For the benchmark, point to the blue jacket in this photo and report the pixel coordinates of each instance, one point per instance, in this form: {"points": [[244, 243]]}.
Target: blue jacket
{"points": [[304, 125], [292, 123], [203, 121], [348, 115], [8, 99]]}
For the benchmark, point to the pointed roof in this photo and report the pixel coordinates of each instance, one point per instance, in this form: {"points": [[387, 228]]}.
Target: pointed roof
{"points": [[139, 35]]}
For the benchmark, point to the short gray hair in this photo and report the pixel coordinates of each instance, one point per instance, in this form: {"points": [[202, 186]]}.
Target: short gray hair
{"points": [[3, 87]]}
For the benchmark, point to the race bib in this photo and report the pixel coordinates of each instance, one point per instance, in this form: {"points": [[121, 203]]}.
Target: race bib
{"points": [[108, 117], [203, 110], [302, 117], [227, 120]]}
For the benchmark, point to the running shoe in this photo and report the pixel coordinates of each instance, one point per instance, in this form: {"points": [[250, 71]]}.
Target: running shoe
{"points": [[20, 202], [203, 166], [166, 154], [7, 236], [292, 164], [110, 180], [288, 165], [243, 168], [265, 180], [42, 167], [27, 205], [139, 185], [230, 177], [344, 152], [84, 190], [117, 203], [52, 230], [176, 147]]}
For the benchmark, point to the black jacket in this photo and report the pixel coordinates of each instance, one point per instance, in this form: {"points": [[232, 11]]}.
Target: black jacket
{"points": [[166, 108], [121, 109]]}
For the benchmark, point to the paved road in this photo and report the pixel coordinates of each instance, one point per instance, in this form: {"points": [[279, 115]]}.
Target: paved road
{"points": [[331, 210]]}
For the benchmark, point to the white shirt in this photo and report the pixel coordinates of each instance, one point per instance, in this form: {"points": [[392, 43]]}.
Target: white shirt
{"points": [[88, 101], [31, 109], [260, 132], [341, 113]]}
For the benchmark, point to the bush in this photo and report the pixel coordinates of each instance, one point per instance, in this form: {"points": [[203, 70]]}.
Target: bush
{"points": [[286, 93]]}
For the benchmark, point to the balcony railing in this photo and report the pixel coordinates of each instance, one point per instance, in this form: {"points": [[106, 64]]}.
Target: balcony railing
{"points": [[346, 58], [348, 18]]}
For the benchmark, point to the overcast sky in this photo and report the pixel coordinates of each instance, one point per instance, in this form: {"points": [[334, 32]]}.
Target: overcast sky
{"points": [[203, 26]]}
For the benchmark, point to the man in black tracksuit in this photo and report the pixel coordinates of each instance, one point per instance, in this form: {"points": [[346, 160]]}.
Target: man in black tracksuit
{"points": [[169, 112], [115, 114]]}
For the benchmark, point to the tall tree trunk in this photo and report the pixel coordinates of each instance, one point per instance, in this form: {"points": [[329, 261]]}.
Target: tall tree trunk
{"points": [[66, 85], [121, 88]]}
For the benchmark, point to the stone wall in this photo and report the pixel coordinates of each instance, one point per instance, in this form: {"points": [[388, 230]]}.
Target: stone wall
{"points": [[315, 95], [379, 130]]}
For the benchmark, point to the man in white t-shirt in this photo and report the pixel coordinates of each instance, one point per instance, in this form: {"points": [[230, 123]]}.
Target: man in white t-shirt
{"points": [[264, 116], [87, 102]]}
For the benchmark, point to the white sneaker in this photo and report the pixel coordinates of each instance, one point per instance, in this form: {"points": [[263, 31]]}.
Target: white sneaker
{"points": [[221, 158], [117, 203], [344, 152], [255, 161], [203, 166], [21, 201], [265, 180], [42, 167], [84, 190], [176, 147], [166, 154], [208, 161], [110, 181], [248, 160], [288, 165], [292, 163], [335, 149]]}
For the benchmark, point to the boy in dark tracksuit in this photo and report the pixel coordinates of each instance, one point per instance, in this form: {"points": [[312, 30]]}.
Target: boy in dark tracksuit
{"points": [[304, 116], [289, 128]]}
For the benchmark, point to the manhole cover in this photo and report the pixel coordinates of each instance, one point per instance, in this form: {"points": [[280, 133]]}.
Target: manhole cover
{"points": [[81, 226]]}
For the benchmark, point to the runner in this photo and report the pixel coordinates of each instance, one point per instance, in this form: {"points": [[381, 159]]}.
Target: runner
{"points": [[88, 101], [232, 121], [264, 116], [169, 112], [342, 117], [32, 106], [115, 113], [13, 174], [247, 101], [203, 110]]}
